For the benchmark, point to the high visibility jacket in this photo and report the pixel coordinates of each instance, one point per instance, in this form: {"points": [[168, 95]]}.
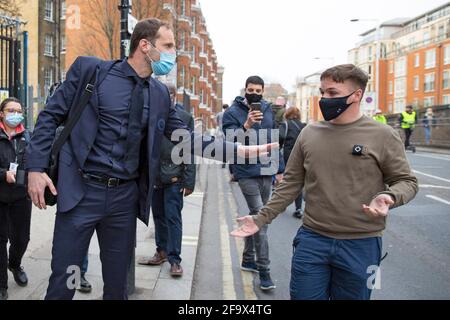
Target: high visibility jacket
{"points": [[380, 118], [409, 120]]}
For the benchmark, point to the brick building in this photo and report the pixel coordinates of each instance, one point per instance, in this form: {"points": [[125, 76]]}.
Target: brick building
{"points": [[46, 44], [93, 28], [414, 65]]}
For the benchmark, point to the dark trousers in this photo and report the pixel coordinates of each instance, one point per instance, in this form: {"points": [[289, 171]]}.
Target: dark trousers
{"points": [[15, 220], [111, 212], [324, 268], [298, 201], [257, 193], [408, 133], [167, 205]]}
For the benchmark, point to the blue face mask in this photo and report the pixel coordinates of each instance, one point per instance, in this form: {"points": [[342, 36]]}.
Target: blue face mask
{"points": [[13, 119], [164, 65]]}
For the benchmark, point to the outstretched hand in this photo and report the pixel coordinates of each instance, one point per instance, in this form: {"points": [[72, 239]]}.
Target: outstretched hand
{"points": [[379, 207], [249, 152], [247, 229]]}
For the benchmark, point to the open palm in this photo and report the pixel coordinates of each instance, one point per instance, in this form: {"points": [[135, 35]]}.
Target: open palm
{"points": [[247, 229]]}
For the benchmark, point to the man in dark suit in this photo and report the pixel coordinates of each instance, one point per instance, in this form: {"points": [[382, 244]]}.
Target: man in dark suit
{"points": [[108, 165]]}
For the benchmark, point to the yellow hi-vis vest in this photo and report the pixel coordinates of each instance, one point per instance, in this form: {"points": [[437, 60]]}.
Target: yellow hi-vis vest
{"points": [[409, 120], [380, 118]]}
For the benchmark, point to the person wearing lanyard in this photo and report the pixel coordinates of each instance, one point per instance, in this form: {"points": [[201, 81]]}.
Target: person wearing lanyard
{"points": [[15, 206]]}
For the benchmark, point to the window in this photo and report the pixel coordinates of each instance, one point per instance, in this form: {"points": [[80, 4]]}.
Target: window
{"points": [[194, 55], [412, 43], [416, 83], [430, 59], [428, 102], [48, 78], [202, 70], [391, 66], [182, 43], [182, 76], [193, 85], [194, 25], [400, 67], [201, 95], [416, 103], [390, 107], [183, 7], [63, 44], [446, 79], [63, 9], [370, 53], [426, 38], [49, 10], [48, 45], [441, 32], [447, 55], [400, 88], [369, 71], [417, 60], [391, 88], [446, 99], [399, 105], [203, 45], [429, 82]]}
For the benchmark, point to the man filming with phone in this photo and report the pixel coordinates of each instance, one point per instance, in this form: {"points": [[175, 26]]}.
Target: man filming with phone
{"points": [[253, 117]]}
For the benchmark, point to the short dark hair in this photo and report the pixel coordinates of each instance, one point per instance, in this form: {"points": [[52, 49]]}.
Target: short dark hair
{"points": [[8, 100], [225, 106], [146, 29], [347, 72], [409, 107], [254, 80]]}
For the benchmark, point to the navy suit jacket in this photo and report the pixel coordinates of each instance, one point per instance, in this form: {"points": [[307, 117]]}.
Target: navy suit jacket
{"points": [[163, 120]]}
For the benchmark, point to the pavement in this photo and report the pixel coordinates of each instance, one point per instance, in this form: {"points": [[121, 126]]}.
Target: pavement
{"points": [[152, 282]]}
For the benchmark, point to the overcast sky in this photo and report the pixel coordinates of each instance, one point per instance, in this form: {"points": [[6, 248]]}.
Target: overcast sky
{"points": [[279, 39]]}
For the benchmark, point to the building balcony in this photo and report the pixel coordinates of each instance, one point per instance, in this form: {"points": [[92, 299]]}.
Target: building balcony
{"points": [[203, 55], [185, 19], [194, 97], [196, 7], [196, 37], [203, 79], [184, 53], [203, 106], [195, 65], [169, 7]]}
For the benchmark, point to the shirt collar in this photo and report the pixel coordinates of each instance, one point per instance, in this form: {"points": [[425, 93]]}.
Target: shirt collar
{"points": [[128, 71]]}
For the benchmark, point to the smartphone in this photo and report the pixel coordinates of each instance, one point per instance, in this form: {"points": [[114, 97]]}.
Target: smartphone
{"points": [[255, 106]]}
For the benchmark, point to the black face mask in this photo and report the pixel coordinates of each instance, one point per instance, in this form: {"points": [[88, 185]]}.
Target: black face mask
{"points": [[251, 98], [333, 107]]}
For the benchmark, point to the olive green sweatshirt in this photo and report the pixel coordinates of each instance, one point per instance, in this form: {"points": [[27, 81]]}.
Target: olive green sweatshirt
{"points": [[337, 178]]}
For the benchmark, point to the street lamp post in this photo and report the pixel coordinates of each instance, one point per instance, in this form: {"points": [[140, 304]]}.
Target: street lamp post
{"points": [[377, 58], [124, 8]]}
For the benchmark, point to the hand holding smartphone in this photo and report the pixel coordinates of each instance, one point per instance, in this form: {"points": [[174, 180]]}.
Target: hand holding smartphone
{"points": [[256, 106]]}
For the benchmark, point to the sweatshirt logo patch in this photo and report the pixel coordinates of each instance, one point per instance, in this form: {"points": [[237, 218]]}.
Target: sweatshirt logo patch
{"points": [[357, 150]]}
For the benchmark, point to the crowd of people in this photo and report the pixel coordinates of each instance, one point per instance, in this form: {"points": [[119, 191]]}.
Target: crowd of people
{"points": [[117, 164]]}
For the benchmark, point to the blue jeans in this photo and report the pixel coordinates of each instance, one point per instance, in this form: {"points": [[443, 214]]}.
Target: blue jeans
{"points": [[167, 204], [427, 135], [324, 268]]}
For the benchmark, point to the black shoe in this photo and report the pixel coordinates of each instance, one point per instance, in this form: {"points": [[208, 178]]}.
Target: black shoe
{"points": [[85, 286], [3, 294], [298, 213], [19, 276], [266, 282]]}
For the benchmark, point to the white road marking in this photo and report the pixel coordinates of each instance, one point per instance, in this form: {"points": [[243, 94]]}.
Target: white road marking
{"points": [[438, 199], [433, 157], [247, 277], [229, 291], [431, 176], [429, 186]]}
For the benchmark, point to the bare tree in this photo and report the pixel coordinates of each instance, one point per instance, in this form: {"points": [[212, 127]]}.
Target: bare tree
{"points": [[143, 9], [10, 7], [101, 36]]}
